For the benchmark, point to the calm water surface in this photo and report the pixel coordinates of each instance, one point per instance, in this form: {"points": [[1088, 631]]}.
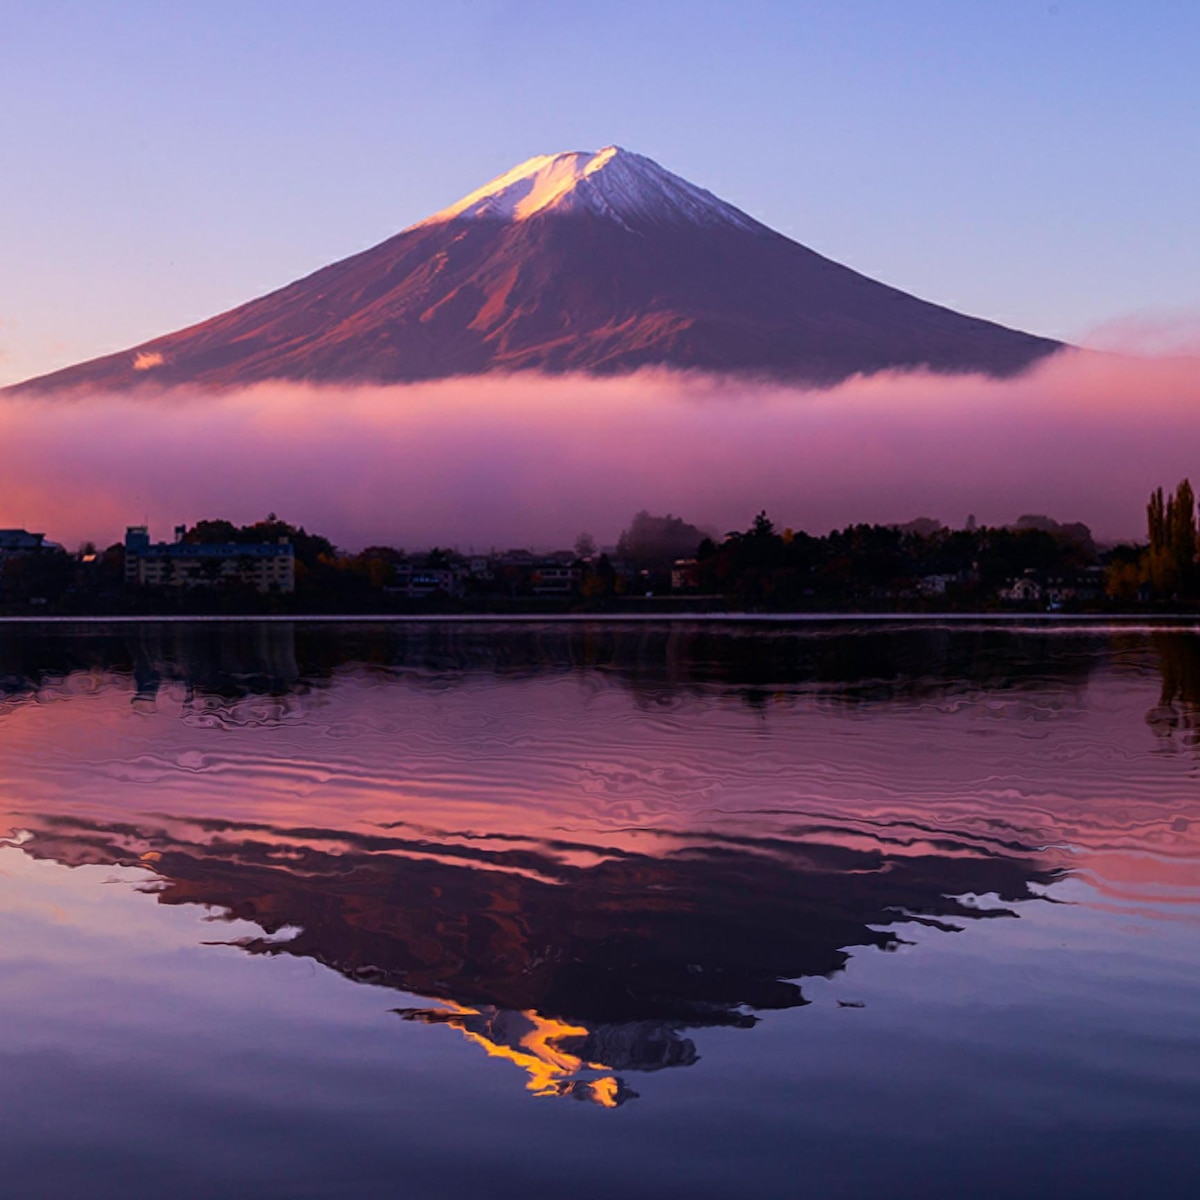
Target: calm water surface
{"points": [[677, 910]]}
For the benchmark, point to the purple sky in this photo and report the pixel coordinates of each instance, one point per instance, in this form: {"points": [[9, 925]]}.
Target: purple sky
{"points": [[1037, 163]]}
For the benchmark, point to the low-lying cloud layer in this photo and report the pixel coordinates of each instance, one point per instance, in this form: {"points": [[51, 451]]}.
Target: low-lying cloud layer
{"points": [[528, 460]]}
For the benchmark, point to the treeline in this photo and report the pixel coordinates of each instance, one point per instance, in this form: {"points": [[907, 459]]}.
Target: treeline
{"points": [[322, 571], [311, 549], [379, 578], [920, 563], [1037, 563], [93, 580], [1166, 569]]}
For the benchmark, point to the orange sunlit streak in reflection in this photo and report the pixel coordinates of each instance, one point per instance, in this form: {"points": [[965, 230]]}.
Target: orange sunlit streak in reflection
{"points": [[536, 1048]]}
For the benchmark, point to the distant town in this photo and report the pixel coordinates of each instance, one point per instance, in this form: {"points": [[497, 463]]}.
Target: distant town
{"points": [[659, 563]]}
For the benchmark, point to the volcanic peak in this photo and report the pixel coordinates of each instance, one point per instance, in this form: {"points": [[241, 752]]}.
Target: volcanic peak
{"points": [[614, 183], [583, 262]]}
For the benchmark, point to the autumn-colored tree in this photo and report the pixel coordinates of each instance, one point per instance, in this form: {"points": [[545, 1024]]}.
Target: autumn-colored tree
{"points": [[1171, 526], [1181, 533], [1125, 573]]}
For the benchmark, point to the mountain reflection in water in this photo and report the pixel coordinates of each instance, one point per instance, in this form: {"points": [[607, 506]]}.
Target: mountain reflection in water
{"points": [[579, 848], [567, 971]]}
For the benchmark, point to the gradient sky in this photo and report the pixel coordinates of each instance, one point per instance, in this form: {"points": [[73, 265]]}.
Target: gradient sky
{"points": [[1037, 163]]}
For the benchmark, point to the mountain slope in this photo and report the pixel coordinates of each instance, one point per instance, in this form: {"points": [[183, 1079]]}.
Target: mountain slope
{"points": [[598, 263]]}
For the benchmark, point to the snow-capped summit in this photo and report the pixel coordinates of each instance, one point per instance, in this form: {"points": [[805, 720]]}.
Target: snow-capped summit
{"points": [[591, 262], [625, 187]]}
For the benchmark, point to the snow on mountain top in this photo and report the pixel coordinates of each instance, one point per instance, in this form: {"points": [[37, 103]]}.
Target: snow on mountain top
{"points": [[614, 183]]}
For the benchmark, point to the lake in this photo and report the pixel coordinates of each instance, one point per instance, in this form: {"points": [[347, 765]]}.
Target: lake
{"points": [[646, 909]]}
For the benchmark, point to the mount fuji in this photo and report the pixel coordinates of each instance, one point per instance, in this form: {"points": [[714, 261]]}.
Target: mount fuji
{"points": [[598, 263]]}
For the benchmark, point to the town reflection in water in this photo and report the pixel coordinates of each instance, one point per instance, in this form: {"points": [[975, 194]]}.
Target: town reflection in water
{"points": [[585, 957], [848, 659]]}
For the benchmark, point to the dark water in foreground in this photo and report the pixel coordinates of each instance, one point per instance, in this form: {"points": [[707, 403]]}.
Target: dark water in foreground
{"points": [[438, 911]]}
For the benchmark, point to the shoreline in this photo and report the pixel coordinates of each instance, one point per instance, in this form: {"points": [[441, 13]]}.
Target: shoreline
{"points": [[1186, 621]]}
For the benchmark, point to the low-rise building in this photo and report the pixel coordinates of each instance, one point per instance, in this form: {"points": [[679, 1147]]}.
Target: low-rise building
{"points": [[264, 566], [935, 585], [20, 541], [1025, 590], [685, 575], [551, 577], [417, 581], [1068, 587]]}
